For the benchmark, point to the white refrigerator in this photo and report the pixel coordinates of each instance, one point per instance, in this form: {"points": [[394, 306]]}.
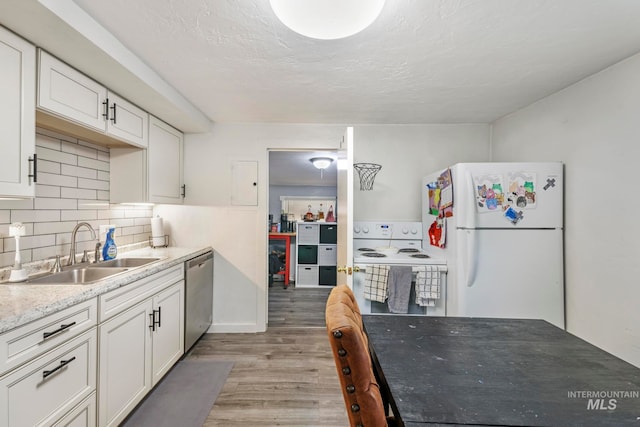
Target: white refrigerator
{"points": [[500, 228]]}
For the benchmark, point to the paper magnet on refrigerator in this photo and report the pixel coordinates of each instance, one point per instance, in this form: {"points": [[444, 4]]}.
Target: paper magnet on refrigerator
{"points": [[489, 193]]}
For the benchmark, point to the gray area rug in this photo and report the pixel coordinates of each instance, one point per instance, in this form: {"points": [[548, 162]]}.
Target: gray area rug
{"points": [[184, 397]]}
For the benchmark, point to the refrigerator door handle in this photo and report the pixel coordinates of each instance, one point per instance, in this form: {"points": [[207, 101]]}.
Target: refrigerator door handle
{"points": [[471, 211], [472, 259]]}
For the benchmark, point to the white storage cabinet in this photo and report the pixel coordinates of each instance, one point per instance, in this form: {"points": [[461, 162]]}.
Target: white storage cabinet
{"points": [[154, 175], [141, 335], [67, 93], [316, 254], [17, 116], [48, 370]]}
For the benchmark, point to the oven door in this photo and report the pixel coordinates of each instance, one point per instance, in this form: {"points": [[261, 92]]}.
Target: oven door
{"points": [[374, 307]]}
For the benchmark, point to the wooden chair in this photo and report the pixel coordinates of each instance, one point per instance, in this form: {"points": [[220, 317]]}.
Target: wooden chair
{"points": [[350, 347]]}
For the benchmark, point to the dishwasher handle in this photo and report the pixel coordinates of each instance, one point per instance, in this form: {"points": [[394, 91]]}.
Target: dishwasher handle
{"points": [[198, 261]]}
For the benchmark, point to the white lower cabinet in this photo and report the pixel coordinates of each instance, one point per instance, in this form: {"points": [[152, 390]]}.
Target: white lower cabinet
{"points": [[83, 415], [46, 389], [139, 345]]}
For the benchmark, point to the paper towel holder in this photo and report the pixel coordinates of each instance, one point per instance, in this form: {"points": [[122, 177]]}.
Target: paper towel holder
{"points": [[152, 240]]}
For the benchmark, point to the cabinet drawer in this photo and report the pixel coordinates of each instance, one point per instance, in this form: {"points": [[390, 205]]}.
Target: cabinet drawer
{"points": [[307, 276], [307, 254], [26, 342], [44, 390], [329, 233], [83, 415], [327, 275], [120, 299], [327, 255], [307, 234]]}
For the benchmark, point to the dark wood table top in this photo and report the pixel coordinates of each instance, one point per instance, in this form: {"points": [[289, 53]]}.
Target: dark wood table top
{"points": [[506, 372]]}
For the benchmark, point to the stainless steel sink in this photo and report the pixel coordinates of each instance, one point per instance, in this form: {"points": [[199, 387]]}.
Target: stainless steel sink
{"points": [[124, 262], [78, 276]]}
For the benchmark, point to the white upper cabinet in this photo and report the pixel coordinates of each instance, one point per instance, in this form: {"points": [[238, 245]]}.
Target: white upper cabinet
{"points": [[154, 175], [17, 116], [166, 179], [65, 92]]}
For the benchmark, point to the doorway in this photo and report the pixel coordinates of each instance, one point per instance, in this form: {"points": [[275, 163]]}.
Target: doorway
{"points": [[297, 190]]}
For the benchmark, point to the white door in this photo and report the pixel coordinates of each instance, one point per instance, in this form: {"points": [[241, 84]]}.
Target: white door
{"points": [[17, 115], [165, 163], [127, 122], [509, 274], [168, 337], [345, 210]]}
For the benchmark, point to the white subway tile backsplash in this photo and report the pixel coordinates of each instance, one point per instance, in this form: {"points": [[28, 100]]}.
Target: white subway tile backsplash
{"points": [[84, 215], [73, 186], [93, 164], [48, 167], [93, 204], [93, 184], [47, 142], [80, 150], [16, 204], [47, 191], [48, 203], [56, 156], [78, 193], [78, 171], [35, 215], [61, 180], [53, 227]]}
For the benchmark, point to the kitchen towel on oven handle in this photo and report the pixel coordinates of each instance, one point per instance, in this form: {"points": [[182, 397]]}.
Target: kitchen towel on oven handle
{"points": [[376, 286], [427, 284]]}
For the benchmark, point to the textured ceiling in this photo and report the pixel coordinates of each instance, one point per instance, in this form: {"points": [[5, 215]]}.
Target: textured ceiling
{"points": [[422, 61]]}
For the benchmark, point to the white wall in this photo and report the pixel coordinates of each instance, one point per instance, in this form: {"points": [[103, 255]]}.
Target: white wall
{"points": [[238, 233], [594, 128], [407, 153]]}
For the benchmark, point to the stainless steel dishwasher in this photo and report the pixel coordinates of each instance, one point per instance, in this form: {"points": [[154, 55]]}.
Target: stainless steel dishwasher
{"points": [[198, 299]]}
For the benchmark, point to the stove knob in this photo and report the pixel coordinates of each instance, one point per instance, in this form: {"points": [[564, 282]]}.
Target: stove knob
{"points": [[405, 230], [414, 231], [365, 230], [356, 229]]}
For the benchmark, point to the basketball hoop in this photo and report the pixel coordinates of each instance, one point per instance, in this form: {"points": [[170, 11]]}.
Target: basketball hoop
{"points": [[367, 173]]}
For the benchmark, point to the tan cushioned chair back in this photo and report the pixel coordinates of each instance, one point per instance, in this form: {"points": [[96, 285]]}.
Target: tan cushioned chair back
{"points": [[350, 348]]}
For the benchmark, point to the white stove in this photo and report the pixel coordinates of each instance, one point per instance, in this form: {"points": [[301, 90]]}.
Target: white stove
{"points": [[390, 243], [393, 243]]}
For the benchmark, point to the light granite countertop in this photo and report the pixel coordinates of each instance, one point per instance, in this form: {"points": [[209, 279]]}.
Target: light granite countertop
{"points": [[21, 303]]}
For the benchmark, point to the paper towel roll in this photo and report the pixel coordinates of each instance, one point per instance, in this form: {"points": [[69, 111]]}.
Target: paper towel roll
{"points": [[157, 232]]}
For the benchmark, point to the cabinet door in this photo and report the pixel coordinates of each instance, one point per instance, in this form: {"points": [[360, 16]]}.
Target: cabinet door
{"points": [[168, 337], [127, 122], [125, 368], [164, 162], [17, 114], [70, 94]]}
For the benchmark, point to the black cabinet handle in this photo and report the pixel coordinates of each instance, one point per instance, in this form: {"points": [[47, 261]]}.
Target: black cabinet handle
{"points": [[113, 108], [159, 317], [184, 190], [57, 331], [106, 109], [34, 176], [152, 318], [62, 364]]}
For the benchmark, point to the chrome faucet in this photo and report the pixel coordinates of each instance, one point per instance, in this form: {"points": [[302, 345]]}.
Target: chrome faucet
{"points": [[72, 254]]}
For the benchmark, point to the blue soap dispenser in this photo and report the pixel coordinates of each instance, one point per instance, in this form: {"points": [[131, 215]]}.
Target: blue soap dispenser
{"points": [[110, 250]]}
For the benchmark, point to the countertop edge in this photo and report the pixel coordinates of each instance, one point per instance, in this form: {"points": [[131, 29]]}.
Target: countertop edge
{"points": [[49, 299]]}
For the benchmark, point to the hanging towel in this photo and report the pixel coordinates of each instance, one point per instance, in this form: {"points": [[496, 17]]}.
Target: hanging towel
{"points": [[375, 282], [399, 288], [427, 285]]}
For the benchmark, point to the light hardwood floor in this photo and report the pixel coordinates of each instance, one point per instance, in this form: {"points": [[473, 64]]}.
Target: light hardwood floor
{"points": [[283, 377]]}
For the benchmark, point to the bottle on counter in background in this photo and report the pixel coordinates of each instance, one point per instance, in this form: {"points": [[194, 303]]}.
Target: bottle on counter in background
{"points": [[330, 217], [309, 215], [320, 213], [284, 222]]}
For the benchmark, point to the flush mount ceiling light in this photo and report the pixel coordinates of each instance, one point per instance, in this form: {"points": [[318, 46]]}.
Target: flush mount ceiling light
{"points": [[321, 163], [327, 19]]}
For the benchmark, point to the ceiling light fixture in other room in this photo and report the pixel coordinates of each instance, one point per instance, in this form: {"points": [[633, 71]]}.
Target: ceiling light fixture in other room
{"points": [[321, 163], [327, 19]]}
